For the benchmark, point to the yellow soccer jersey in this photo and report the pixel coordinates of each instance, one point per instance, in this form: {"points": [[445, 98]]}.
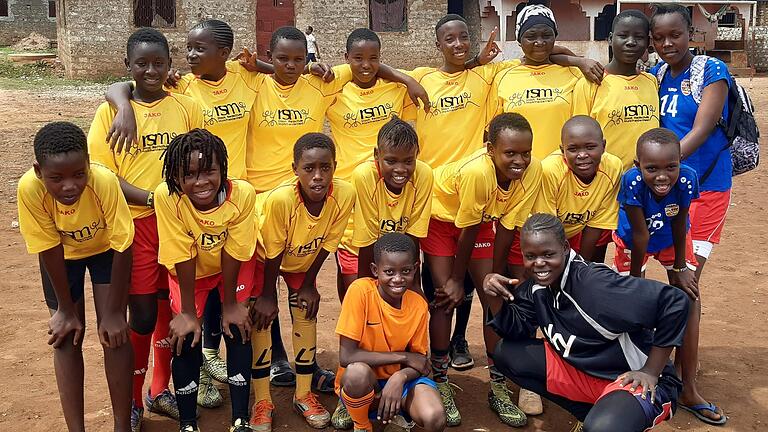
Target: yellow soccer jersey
{"points": [[356, 116], [466, 193], [157, 124], [453, 127], [625, 107], [378, 211], [288, 227], [282, 116], [186, 232], [542, 94], [100, 220], [576, 204], [227, 111]]}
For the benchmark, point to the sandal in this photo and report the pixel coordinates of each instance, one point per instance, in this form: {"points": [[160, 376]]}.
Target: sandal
{"points": [[323, 380], [281, 374], [695, 410]]}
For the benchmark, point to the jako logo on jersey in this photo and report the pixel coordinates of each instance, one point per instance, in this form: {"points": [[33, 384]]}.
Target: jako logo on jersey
{"points": [[306, 249], [206, 222], [368, 115], [220, 92], [65, 212], [152, 114], [85, 233], [581, 193], [210, 242], [482, 245], [239, 288], [558, 341], [390, 225]]}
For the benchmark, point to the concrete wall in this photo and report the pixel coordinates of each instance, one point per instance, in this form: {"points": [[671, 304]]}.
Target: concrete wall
{"points": [[25, 17]]}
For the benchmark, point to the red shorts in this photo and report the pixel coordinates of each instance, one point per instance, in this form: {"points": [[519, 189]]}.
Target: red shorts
{"points": [[515, 257], [707, 214], [255, 267], [622, 260], [347, 261], [443, 237], [147, 275], [575, 240], [204, 286]]}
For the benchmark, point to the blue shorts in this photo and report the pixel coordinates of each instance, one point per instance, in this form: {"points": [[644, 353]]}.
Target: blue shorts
{"points": [[406, 389]]}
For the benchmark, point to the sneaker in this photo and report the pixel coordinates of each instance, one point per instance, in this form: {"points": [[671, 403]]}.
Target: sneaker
{"points": [[578, 427], [461, 358], [208, 396], [240, 425], [341, 418], [323, 380], [399, 424], [529, 402], [499, 398], [312, 410], [163, 404], [281, 374], [452, 415], [189, 428], [214, 365], [137, 414], [261, 416]]}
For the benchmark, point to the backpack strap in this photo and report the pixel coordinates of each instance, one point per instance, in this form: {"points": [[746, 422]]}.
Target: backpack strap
{"points": [[660, 72], [698, 64]]}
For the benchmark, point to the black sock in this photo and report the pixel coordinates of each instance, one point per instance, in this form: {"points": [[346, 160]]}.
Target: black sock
{"points": [[462, 316], [278, 349], [239, 359], [185, 369], [212, 321]]}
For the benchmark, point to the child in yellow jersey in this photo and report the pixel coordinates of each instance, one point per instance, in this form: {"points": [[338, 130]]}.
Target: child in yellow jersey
{"points": [[536, 88], [626, 103], [73, 215], [383, 344], [159, 118], [393, 194], [207, 227], [302, 222], [496, 185], [580, 185]]}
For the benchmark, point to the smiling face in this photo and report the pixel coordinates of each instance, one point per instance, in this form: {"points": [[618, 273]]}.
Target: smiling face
{"points": [[288, 59], [629, 40], [453, 42], [511, 154], [544, 256], [670, 35], [64, 175], [659, 165], [201, 185], [203, 55], [315, 170], [395, 272], [148, 64], [537, 43], [396, 166], [363, 58], [583, 147]]}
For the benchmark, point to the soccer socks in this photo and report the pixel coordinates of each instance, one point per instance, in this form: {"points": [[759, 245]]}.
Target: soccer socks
{"points": [[496, 376], [239, 358], [212, 322], [161, 363], [304, 343], [358, 409], [141, 344], [261, 343], [186, 379], [440, 362]]}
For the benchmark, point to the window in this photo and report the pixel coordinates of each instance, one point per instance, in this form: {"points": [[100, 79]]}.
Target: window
{"points": [[51, 8], [728, 20], [3, 8], [154, 13], [388, 15]]}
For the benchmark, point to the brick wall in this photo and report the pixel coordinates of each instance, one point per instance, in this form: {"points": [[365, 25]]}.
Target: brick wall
{"points": [[25, 17]]}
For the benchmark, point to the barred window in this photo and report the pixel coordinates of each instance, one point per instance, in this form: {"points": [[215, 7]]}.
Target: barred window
{"points": [[388, 15], [154, 13], [51, 8]]}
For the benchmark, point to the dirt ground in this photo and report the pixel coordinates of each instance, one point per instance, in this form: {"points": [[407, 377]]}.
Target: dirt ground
{"points": [[734, 371]]}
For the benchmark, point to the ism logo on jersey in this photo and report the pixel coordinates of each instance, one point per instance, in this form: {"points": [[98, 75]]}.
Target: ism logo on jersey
{"points": [[390, 225], [223, 113], [448, 104], [285, 117], [306, 249], [381, 112], [84, 234], [209, 242], [535, 96], [631, 114], [152, 143]]}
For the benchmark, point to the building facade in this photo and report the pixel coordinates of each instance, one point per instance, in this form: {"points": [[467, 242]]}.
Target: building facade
{"points": [[19, 18]]}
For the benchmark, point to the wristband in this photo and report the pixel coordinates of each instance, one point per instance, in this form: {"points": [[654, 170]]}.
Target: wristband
{"points": [[151, 199], [680, 270]]}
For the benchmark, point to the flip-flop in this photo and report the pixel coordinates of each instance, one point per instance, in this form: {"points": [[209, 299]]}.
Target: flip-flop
{"points": [[281, 374], [694, 409], [323, 380]]}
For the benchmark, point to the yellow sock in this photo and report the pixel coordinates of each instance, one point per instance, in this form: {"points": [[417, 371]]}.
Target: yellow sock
{"points": [[304, 342], [358, 409], [261, 342]]}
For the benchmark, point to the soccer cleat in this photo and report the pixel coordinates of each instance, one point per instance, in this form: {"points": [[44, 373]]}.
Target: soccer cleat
{"points": [[240, 425], [214, 365], [499, 398], [341, 418], [208, 396], [189, 428], [461, 358], [312, 410], [529, 402], [163, 404], [578, 427], [399, 424], [137, 414], [261, 416], [452, 415]]}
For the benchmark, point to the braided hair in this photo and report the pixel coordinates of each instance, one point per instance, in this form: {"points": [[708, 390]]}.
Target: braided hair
{"points": [[394, 242], [221, 31], [310, 141], [397, 134], [287, 32], [59, 137], [177, 155], [147, 35], [545, 222]]}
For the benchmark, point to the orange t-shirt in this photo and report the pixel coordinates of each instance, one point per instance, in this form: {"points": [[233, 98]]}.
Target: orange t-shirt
{"points": [[379, 327]]}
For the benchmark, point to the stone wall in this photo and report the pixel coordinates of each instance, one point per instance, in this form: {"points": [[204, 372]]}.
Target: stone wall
{"points": [[92, 33], [758, 49], [333, 20], [25, 17], [761, 18]]}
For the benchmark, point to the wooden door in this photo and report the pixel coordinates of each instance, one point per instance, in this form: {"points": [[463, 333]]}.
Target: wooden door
{"points": [[271, 15]]}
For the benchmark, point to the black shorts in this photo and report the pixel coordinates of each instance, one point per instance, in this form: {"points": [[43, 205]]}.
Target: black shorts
{"points": [[99, 267], [311, 57]]}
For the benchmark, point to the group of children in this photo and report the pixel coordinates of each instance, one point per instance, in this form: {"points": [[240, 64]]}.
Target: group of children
{"points": [[186, 204]]}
